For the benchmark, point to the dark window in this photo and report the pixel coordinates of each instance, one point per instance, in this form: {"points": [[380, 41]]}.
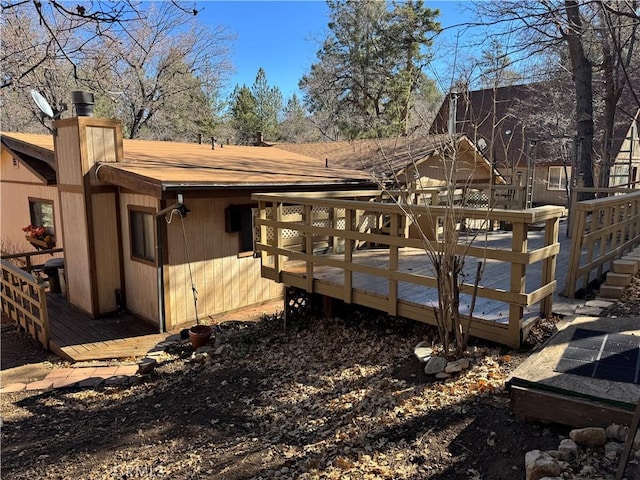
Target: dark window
{"points": [[239, 218], [41, 212], [142, 229]]}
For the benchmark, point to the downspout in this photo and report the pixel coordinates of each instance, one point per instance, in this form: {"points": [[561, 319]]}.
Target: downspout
{"points": [[160, 273]]}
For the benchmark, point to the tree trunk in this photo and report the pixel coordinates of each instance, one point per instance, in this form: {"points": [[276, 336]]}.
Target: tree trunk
{"points": [[582, 77]]}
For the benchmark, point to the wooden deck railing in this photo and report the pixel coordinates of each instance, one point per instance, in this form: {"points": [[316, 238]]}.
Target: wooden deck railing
{"points": [[24, 300], [602, 230], [594, 193], [24, 260], [310, 229]]}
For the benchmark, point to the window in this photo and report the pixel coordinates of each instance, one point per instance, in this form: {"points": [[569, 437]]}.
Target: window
{"points": [[141, 226], [239, 218], [557, 179], [41, 212]]}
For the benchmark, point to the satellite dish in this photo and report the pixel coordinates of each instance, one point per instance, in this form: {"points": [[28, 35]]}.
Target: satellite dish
{"points": [[42, 103]]}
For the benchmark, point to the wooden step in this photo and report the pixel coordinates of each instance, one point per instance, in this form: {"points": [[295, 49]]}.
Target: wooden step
{"points": [[625, 266], [631, 258], [611, 291], [618, 279]]}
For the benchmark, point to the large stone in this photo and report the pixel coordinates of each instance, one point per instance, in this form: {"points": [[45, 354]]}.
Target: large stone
{"points": [[435, 365], [568, 450], [540, 464], [589, 437], [146, 365], [457, 365], [617, 432]]}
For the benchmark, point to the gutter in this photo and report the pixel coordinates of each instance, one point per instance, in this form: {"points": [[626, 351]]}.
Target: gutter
{"points": [[264, 186]]}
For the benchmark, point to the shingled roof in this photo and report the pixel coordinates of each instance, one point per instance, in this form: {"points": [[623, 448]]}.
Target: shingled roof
{"points": [[158, 166], [506, 118]]}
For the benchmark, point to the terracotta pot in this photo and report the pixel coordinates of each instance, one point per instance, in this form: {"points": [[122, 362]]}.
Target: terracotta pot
{"points": [[199, 335]]}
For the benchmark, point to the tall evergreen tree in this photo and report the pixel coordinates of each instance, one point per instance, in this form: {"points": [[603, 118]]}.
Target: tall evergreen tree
{"points": [[268, 103], [243, 114], [372, 63], [295, 126]]}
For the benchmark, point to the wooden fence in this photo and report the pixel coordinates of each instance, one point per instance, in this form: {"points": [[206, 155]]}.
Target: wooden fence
{"points": [[602, 230], [24, 300], [302, 233]]}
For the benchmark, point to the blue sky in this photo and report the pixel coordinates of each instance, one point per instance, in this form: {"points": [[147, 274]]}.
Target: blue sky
{"points": [[283, 37]]}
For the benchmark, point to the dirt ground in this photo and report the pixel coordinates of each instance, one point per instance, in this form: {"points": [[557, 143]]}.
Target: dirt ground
{"points": [[340, 398]]}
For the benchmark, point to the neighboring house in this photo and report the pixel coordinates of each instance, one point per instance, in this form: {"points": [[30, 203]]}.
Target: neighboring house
{"points": [[417, 160], [522, 130], [116, 209], [625, 169]]}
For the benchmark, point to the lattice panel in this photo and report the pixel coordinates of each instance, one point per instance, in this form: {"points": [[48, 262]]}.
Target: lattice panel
{"points": [[477, 199]]}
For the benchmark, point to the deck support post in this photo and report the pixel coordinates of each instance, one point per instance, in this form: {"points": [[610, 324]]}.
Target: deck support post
{"points": [[348, 256], [393, 267], [308, 245], [518, 282], [552, 228]]}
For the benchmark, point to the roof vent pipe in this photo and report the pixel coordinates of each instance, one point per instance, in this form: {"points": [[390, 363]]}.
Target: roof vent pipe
{"points": [[83, 103], [453, 111]]}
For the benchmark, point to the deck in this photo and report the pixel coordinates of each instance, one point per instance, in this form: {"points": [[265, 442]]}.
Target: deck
{"points": [[76, 337], [316, 244], [496, 275]]}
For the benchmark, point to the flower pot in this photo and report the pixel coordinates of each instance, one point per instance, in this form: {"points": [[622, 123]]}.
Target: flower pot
{"points": [[199, 335], [41, 244]]}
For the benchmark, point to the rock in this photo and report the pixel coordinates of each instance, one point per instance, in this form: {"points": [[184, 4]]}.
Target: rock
{"points": [[617, 432], [199, 357], [435, 365], [540, 464], [568, 450], [590, 436], [423, 351], [613, 449], [146, 365], [588, 471], [457, 365], [220, 350], [443, 375]]}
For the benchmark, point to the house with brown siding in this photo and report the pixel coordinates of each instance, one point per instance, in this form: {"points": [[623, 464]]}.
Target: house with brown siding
{"points": [[146, 225], [507, 124]]}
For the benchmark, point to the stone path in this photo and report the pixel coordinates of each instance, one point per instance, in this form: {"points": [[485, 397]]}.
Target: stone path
{"points": [[90, 375]]}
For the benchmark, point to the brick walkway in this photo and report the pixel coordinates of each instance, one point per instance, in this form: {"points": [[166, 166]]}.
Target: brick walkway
{"points": [[82, 376], [79, 377]]}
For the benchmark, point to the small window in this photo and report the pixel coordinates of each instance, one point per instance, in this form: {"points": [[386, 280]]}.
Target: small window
{"points": [[239, 218], [141, 225], [41, 212], [557, 179]]}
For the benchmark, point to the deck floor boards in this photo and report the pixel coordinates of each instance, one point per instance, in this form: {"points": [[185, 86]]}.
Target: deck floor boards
{"points": [[496, 275], [77, 337]]}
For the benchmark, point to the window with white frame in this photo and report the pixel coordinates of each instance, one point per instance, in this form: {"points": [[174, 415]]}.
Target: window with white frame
{"points": [[557, 178], [142, 235]]}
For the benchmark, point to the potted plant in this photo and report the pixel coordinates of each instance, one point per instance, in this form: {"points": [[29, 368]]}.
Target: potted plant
{"points": [[39, 237], [199, 335]]}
